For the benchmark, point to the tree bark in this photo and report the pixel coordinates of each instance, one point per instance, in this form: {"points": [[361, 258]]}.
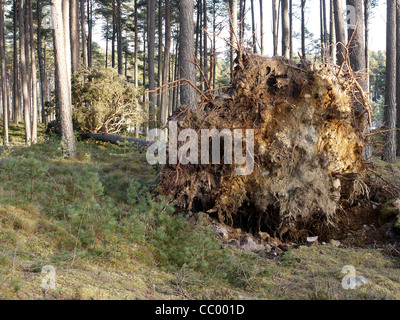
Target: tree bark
{"points": [[136, 66], [186, 51], [3, 76], [90, 33], [303, 29], [332, 35], [397, 74], [43, 82], [75, 35], [262, 27], [84, 37], [275, 26], [151, 7], [253, 27], [119, 37], [24, 72], [63, 80], [16, 91], [34, 78], [234, 33], [339, 32], [285, 28], [164, 109], [389, 141]]}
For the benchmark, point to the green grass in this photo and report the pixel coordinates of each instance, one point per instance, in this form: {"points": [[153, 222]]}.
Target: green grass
{"points": [[96, 220]]}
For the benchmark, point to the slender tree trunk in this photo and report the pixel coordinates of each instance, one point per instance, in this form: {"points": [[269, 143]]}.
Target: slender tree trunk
{"points": [[303, 29], [119, 37], [164, 109], [67, 43], [275, 26], [290, 29], [285, 28], [40, 60], [397, 74], [114, 31], [234, 33], [107, 32], [63, 80], [24, 73], [151, 52], [366, 28], [75, 35], [136, 67], [27, 54], [90, 33], [322, 30], [160, 53], [16, 91], [389, 141], [324, 13], [84, 37], [214, 39], [253, 26], [205, 38], [332, 36], [186, 51], [262, 27], [3, 76], [339, 31], [34, 79]]}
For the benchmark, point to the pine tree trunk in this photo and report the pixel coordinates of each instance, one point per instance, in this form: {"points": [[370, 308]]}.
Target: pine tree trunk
{"points": [[303, 29], [397, 74], [389, 141], [24, 73], [3, 76], [119, 37], [253, 27], [186, 51], [205, 38], [16, 91], [285, 28], [332, 35], [75, 35], [160, 53], [90, 33], [84, 37], [339, 32], [136, 67], [34, 78], [234, 33], [262, 27], [62, 79], [275, 26], [290, 29], [114, 30], [107, 32], [41, 67], [151, 7], [165, 99]]}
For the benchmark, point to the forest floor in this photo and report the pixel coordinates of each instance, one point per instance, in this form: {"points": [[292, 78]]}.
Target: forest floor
{"points": [[94, 220]]}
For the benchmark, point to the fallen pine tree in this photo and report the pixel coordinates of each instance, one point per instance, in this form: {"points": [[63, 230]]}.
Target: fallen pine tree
{"points": [[308, 151], [115, 139]]}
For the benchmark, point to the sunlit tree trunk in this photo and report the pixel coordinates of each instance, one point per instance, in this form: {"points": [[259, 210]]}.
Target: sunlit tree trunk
{"points": [[3, 76], [24, 72], [389, 141], [186, 51], [63, 78]]}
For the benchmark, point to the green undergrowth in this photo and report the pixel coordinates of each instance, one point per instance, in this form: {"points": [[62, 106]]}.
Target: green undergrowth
{"points": [[97, 221]]}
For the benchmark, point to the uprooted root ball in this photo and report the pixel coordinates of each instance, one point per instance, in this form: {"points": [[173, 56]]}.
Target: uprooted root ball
{"points": [[308, 149]]}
